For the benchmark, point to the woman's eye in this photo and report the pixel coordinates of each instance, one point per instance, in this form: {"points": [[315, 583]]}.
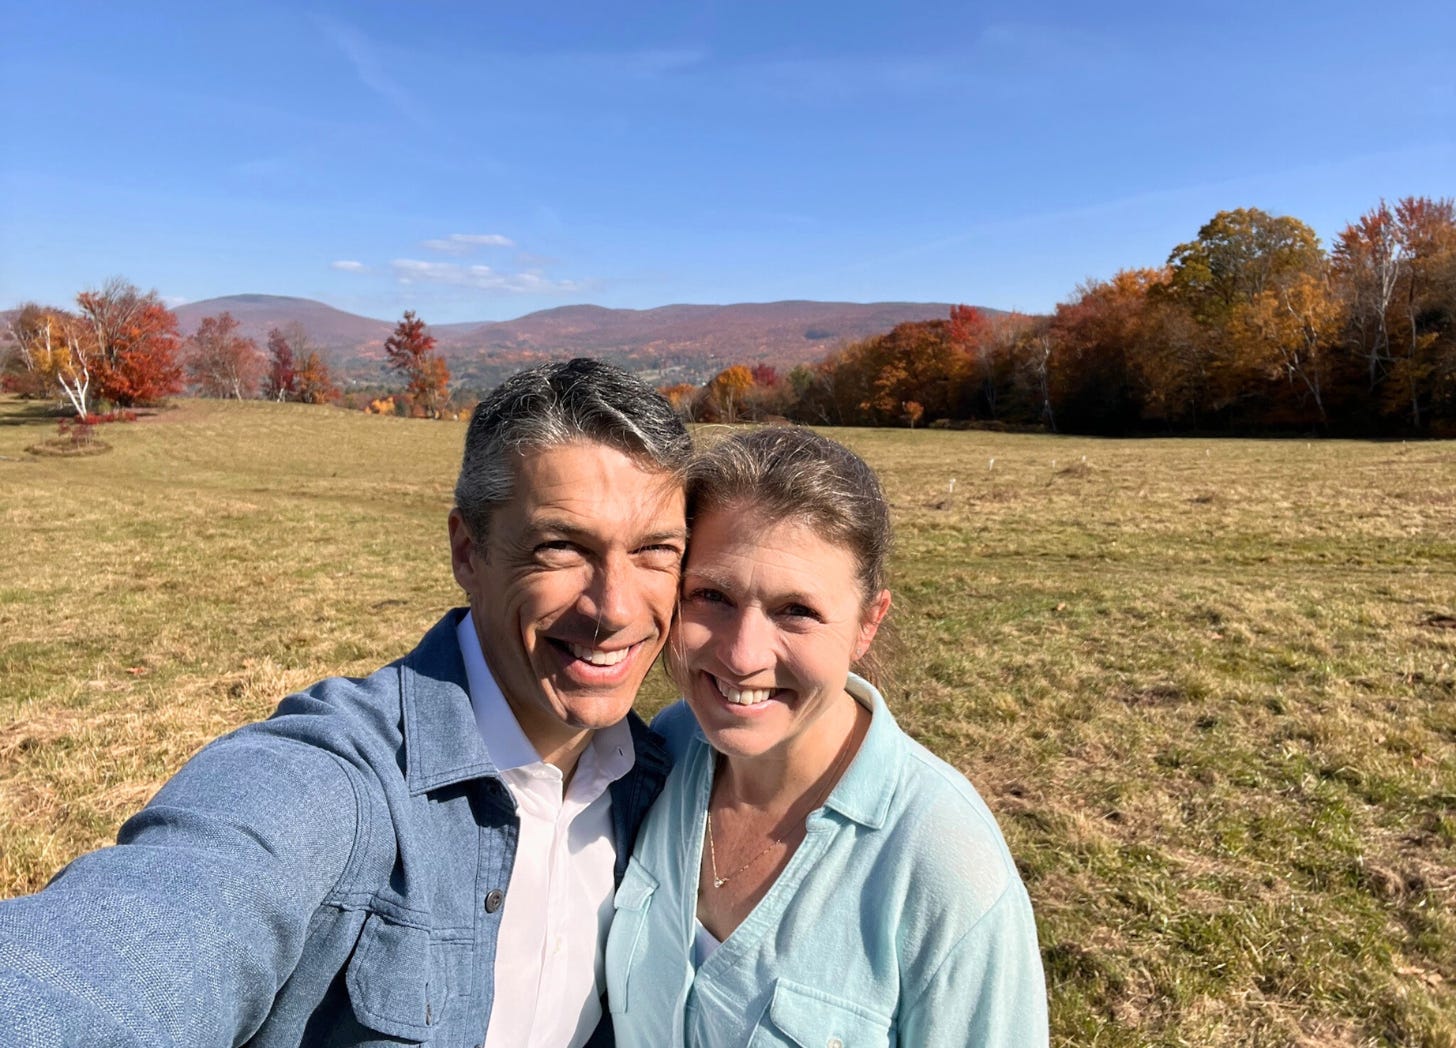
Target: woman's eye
{"points": [[801, 611]]}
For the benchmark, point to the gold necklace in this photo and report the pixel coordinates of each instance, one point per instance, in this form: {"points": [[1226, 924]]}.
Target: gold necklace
{"points": [[718, 881]]}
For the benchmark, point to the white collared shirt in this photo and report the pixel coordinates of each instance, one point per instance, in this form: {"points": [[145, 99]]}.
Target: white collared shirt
{"points": [[549, 976]]}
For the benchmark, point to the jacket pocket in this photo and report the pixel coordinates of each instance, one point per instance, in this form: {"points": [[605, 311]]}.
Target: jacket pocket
{"points": [[627, 942], [801, 1017], [401, 979]]}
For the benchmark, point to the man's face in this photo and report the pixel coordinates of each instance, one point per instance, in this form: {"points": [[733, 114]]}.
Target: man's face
{"points": [[573, 588]]}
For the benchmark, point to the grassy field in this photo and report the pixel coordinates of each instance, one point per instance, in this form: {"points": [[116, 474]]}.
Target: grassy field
{"points": [[1208, 687]]}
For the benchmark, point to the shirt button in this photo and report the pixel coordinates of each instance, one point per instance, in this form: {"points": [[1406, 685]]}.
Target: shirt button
{"points": [[834, 1042], [493, 900]]}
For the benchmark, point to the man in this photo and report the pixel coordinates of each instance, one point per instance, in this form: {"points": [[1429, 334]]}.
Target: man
{"points": [[427, 854]]}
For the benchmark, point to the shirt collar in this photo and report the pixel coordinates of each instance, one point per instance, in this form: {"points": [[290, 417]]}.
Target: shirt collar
{"points": [[509, 748], [867, 786]]}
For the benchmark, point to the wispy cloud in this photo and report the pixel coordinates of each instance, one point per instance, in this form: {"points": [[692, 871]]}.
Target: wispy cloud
{"points": [[371, 68], [464, 243], [348, 265], [481, 278]]}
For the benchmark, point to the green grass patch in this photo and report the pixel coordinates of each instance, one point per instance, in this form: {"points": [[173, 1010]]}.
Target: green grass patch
{"points": [[1208, 687]]}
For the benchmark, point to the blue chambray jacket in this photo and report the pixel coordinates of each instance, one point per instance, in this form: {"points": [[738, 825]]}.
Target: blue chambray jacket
{"points": [[333, 876]]}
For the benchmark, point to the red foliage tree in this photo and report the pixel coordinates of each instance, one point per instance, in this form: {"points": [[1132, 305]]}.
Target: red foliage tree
{"points": [[221, 362], [135, 343], [411, 351], [281, 382]]}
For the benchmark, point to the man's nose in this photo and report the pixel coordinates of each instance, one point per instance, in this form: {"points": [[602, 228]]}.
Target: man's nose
{"points": [[613, 595]]}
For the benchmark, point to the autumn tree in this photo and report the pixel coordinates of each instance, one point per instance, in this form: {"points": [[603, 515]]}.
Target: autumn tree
{"points": [[1095, 338], [56, 348], [1237, 256], [1425, 301], [1366, 263], [411, 351], [221, 362], [681, 396], [132, 342], [287, 348], [312, 382], [1287, 333], [723, 394], [914, 361]]}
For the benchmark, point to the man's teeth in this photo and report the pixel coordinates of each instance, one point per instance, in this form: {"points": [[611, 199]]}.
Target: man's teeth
{"points": [[597, 657], [742, 696]]}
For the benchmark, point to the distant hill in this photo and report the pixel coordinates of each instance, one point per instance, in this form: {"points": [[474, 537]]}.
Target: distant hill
{"points": [[678, 343], [348, 339]]}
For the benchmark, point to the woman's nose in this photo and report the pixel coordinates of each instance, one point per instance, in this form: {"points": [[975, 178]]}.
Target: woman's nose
{"points": [[745, 645]]}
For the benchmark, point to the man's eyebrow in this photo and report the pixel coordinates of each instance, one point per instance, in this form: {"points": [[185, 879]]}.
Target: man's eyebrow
{"points": [[678, 534]]}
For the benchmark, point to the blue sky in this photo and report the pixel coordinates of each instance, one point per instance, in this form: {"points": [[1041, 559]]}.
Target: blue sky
{"points": [[475, 162]]}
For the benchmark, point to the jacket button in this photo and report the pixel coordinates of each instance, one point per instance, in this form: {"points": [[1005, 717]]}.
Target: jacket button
{"points": [[835, 1042], [493, 900]]}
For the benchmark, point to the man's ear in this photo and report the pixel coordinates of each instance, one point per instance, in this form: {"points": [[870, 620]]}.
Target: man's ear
{"points": [[462, 545], [870, 621]]}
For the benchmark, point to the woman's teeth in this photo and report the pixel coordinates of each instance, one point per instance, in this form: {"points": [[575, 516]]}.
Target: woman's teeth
{"points": [[597, 657], [742, 696]]}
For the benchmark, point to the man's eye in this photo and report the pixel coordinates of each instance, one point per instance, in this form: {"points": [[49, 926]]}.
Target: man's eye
{"points": [[662, 554], [557, 551], [706, 595]]}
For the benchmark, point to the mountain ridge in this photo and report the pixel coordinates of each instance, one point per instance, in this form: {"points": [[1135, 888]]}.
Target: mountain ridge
{"points": [[678, 342]]}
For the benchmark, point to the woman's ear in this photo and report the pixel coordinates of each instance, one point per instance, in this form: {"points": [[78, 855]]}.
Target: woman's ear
{"points": [[869, 625]]}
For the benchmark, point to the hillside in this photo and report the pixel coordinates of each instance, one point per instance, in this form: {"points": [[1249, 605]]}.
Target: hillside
{"points": [[676, 343]]}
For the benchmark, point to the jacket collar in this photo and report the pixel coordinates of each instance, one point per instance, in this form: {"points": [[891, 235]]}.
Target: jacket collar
{"points": [[442, 745]]}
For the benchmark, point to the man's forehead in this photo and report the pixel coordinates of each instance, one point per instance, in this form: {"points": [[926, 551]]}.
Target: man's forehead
{"points": [[584, 477]]}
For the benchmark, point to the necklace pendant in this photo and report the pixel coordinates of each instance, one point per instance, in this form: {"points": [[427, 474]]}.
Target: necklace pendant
{"points": [[718, 882]]}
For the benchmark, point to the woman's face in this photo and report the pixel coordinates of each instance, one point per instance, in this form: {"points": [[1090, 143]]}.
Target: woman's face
{"points": [[772, 617]]}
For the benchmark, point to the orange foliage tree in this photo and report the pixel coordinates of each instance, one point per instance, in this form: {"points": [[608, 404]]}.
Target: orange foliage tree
{"points": [[312, 382], [55, 349], [723, 395]]}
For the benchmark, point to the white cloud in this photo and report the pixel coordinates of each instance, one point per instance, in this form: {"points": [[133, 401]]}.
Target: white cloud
{"points": [[464, 243], [348, 265], [481, 278]]}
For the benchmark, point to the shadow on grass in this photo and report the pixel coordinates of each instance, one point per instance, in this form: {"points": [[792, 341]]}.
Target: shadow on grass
{"points": [[23, 413]]}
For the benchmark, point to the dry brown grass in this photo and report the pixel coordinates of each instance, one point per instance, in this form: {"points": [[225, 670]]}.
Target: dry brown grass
{"points": [[1208, 686]]}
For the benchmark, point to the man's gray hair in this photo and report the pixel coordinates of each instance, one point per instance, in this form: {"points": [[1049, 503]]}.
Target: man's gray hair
{"points": [[563, 403]]}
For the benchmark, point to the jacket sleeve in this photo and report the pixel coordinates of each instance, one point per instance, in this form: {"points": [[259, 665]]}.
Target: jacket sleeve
{"points": [[184, 931], [988, 990]]}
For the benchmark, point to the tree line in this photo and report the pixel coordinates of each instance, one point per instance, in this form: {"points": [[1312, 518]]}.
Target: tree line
{"points": [[122, 348], [1250, 327]]}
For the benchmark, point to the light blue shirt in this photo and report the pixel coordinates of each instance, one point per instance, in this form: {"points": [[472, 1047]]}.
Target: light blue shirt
{"points": [[900, 919]]}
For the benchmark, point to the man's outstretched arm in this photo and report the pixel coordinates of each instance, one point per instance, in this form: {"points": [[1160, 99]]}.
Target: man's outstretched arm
{"points": [[183, 932]]}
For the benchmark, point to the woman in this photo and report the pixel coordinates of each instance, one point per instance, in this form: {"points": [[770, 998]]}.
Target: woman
{"points": [[810, 875]]}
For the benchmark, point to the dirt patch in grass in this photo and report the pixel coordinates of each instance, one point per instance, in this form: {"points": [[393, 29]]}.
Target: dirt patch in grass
{"points": [[65, 447]]}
